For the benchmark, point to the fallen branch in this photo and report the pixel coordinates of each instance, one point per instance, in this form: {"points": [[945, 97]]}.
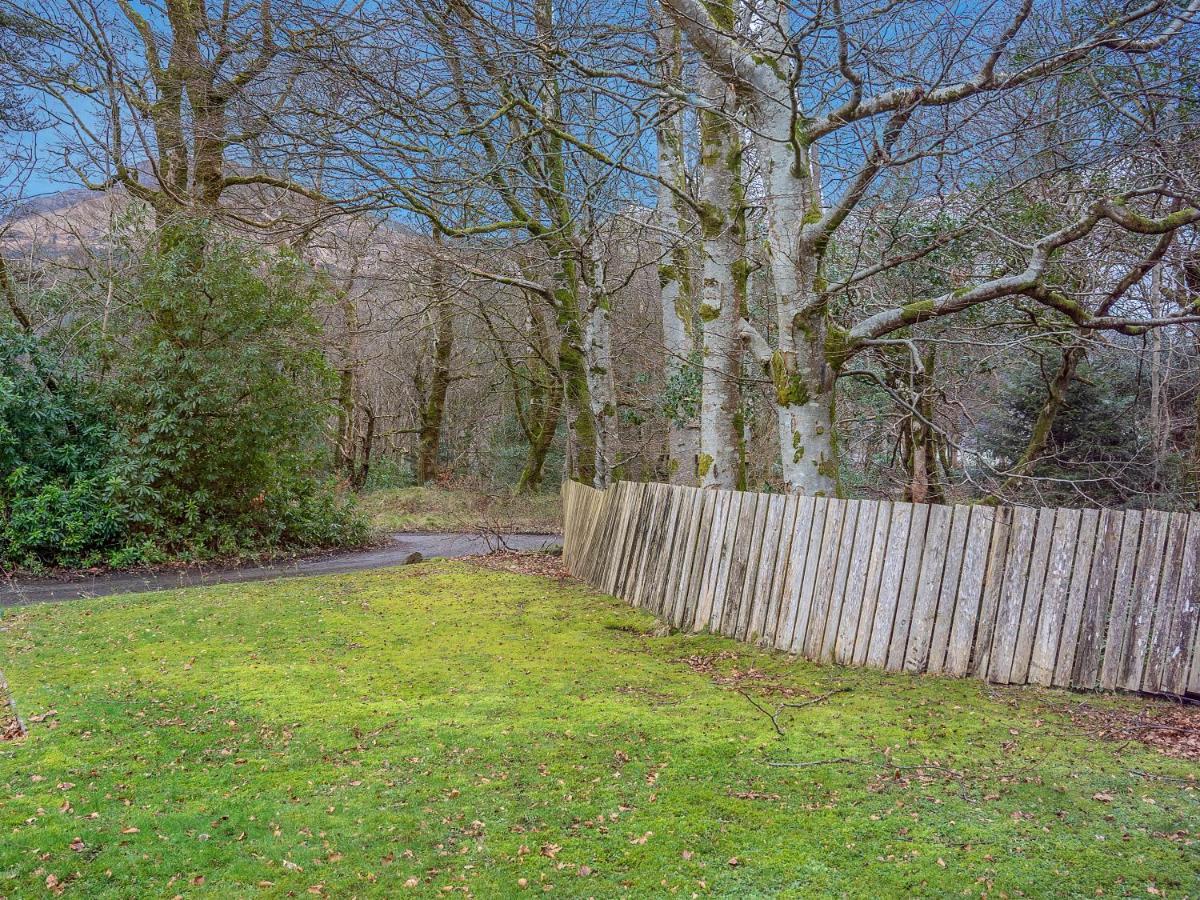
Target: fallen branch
{"points": [[774, 716], [1155, 775], [837, 760]]}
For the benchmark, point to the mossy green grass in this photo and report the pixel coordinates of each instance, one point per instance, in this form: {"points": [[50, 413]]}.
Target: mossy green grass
{"points": [[441, 728]]}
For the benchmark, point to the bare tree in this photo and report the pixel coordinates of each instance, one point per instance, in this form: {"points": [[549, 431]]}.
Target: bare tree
{"points": [[841, 98]]}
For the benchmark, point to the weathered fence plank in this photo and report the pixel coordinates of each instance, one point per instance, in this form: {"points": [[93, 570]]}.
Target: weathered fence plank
{"points": [[714, 540], [764, 579], [993, 585], [913, 556], [947, 594], [1145, 597], [841, 647], [1063, 544], [1012, 597], [889, 588], [842, 515], [929, 586], [779, 577], [1167, 606], [866, 616], [969, 595], [700, 559], [802, 530], [1031, 605], [1085, 549], [1118, 622], [1183, 628], [808, 577], [739, 564]]}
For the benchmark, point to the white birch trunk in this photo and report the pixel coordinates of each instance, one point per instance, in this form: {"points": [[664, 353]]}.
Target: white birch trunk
{"points": [[802, 379], [720, 202], [602, 393], [677, 299]]}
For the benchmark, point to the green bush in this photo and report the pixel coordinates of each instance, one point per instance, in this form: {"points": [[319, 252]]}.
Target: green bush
{"points": [[191, 429], [222, 389], [63, 497]]}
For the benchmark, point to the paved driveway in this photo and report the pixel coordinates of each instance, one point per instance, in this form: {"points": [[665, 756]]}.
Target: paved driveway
{"points": [[18, 591]]}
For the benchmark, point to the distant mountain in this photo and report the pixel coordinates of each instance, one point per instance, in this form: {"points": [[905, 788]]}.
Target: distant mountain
{"points": [[72, 225], [48, 203]]}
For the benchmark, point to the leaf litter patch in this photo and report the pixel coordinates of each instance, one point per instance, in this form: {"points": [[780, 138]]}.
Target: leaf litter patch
{"points": [[1171, 729], [11, 728]]}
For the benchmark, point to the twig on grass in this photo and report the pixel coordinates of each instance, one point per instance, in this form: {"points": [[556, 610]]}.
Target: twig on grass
{"points": [[837, 760], [1157, 776], [774, 716]]}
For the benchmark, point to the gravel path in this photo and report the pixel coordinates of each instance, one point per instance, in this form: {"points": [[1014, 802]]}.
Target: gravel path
{"points": [[19, 591]]}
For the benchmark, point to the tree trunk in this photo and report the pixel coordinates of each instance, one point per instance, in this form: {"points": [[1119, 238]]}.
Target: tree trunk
{"points": [[363, 468], [542, 411], [10, 295], [722, 226], [677, 297], [345, 451], [790, 182], [920, 438], [602, 392], [433, 410], [1160, 424], [800, 373], [1056, 399], [572, 363]]}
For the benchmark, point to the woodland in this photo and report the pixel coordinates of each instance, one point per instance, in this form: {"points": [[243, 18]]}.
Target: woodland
{"points": [[257, 258]]}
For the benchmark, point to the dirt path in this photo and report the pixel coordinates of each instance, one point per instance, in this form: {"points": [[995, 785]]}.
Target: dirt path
{"points": [[19, 591]]}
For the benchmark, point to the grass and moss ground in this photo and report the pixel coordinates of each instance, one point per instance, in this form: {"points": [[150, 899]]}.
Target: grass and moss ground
{"points": [[462, 509], [444, 728]]}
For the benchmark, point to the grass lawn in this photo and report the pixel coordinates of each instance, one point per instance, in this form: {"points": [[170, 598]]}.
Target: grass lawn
{"points": [[446, 728], [459, 509]]}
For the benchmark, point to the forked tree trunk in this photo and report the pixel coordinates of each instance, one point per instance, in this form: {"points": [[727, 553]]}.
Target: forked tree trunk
{"points": [[798, 367], [799, 361]]}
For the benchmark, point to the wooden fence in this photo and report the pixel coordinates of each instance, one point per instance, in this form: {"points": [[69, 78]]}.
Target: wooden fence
{"points": [[1077, 598]]}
